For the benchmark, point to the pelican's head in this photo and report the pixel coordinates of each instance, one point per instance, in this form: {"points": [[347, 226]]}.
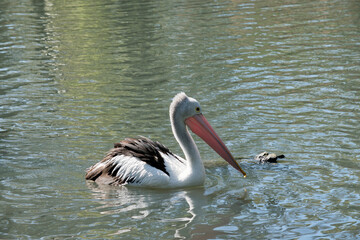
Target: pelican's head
{"points": [[188, 110]]}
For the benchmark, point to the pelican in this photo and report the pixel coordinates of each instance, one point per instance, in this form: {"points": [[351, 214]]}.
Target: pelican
{"points": [[146, 163]]}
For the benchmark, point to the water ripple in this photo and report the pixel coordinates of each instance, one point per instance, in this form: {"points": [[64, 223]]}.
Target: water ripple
{"points": [[275, 76]]}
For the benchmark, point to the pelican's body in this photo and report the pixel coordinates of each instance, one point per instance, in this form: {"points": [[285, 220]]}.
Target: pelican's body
{"points": [[146, 163]]}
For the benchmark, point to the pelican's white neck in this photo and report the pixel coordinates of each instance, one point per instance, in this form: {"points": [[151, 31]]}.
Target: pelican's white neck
{"points": [[195, 170]]}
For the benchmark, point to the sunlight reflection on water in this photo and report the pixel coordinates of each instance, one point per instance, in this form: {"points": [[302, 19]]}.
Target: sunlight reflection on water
{"points": [[283, 78]]}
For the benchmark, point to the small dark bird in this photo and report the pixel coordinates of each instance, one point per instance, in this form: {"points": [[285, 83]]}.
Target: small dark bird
{"points": [[266, 157]]}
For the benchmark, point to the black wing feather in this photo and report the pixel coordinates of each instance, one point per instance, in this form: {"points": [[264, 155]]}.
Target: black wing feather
{"points": [[142, 148]]}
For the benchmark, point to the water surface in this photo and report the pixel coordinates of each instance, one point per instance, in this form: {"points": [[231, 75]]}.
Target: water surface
{"points": [[278, 76]]}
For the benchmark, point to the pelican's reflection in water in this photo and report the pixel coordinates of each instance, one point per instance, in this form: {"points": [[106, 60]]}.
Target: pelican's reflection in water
{"points": [[192, 213], [195, 201], [174, 211]]}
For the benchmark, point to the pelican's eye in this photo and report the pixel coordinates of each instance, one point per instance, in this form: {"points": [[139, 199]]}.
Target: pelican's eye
{"points": [[197, 109]]}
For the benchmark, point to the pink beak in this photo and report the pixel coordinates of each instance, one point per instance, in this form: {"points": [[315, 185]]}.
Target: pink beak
{"points": [[201, 127]]}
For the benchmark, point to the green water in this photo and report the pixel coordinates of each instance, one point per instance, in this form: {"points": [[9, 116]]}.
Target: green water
{"points": [[279, 76]]}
